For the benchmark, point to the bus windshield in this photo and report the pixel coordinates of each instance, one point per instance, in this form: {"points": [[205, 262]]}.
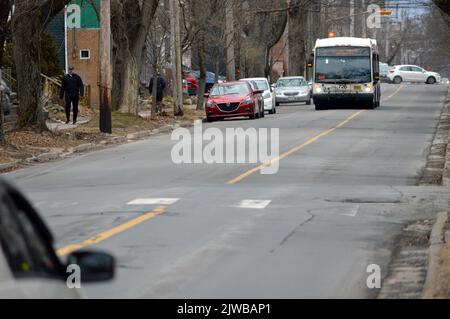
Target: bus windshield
{"points": [[343, 64]]}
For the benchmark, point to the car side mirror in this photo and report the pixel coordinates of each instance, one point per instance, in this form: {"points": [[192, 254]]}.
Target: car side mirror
{"points": [[94, 266], [206, 95], [258, 92]]}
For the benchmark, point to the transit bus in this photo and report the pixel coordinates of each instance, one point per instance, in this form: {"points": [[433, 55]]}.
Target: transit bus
{"points": [[346, 73]]}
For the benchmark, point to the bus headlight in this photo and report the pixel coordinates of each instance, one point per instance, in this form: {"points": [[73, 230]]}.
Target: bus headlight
{"points": [[369, 88], [318, 88]]}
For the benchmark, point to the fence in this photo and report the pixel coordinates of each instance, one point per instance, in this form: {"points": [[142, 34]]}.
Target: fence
{"points": [[9, 79], [52, 88], [2, 132]]}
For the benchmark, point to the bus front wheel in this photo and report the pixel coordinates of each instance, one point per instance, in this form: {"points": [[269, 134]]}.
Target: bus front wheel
{"points": [[320, 107]]}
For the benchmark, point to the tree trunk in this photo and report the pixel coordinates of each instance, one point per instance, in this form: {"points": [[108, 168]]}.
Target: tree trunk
{"points": [[202, 65], [256, 55], [297, 45], [131, 21], [154, 95], [5, 7], [2, 132], [216, 71], [29, 20], [229, 36], [129, 84], [26, 31]]}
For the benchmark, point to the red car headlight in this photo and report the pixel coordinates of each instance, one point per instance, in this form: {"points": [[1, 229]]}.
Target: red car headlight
{"points": [[211, 104], [247, 101]]}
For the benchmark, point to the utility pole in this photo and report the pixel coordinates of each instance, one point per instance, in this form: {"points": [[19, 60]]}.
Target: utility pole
{"points": [[176, 58], [352, 18], [105, 67], [364, 25], [229, 30]]}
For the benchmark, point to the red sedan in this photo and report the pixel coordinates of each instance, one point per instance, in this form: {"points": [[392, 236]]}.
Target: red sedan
{"points": [[233, 99]]}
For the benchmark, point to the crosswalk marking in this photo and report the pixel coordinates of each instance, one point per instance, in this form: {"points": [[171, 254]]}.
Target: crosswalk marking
{"points": [[254, 204], [354, 211], [153, 201]]}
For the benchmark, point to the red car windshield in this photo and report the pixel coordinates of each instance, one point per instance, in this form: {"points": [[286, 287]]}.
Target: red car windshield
{"points": [[233, 89]]}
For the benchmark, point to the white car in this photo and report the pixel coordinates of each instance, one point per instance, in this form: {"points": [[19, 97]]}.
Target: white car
{"points": [[412, 73], [29, 265], [268, 95]]}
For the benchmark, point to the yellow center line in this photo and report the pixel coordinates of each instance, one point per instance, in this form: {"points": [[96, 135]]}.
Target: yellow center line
{"points": [[300, 147], [110, 233]]}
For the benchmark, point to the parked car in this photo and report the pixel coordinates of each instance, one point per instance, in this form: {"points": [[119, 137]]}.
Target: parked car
{"points": [[192, 80], [412, 73], [293, 89], [6, 97], [233, 99], [29, 265], [268, 96]]}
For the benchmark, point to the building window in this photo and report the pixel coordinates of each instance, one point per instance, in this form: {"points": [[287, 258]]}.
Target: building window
{"points": [[85, 54]]}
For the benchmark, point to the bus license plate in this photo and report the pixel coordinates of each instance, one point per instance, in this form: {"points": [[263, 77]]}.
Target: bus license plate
{"points": [[358, 88]]}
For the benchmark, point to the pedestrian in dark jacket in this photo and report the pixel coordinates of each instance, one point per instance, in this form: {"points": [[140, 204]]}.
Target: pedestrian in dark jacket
{"points": [[160, 87], [72, 88]]}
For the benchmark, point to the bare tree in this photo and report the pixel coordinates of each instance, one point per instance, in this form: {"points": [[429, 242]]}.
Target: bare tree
{"points": [[29, 21], [131, 21], [5, 9], [263, 27], [156, 47]]}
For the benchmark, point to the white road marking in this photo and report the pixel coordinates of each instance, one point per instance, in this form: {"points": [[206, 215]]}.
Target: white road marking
{"points": [[254, 204], [153, 201], [353, 212]]}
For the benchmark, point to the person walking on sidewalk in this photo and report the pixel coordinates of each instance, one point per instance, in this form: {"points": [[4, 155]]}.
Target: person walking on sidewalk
{"points": [[160, 87], [72, 88]]}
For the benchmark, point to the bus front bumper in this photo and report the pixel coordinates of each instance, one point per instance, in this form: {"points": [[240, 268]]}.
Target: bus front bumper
{"points": [[343, 99]]}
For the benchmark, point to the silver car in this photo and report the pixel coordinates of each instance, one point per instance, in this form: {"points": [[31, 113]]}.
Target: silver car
{"points": [[292, 89]]}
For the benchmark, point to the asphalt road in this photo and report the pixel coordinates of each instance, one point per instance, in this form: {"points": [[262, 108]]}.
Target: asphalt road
{"points": [[339, 199]]}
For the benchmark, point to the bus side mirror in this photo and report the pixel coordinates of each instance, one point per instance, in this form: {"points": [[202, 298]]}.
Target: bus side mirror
{"points": [[376, 76], [311, 61]]}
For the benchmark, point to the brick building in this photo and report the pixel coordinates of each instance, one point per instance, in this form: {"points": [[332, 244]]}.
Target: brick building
{"points": [[79, 44]]}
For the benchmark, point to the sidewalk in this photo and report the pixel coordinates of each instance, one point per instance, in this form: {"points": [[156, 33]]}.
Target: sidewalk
{"points": [[25, 148], [56, 126], [420, 267]]}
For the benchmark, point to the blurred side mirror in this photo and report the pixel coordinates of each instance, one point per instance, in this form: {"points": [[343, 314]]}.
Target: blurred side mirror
{"points": [[206, 95], [94, 266], [376, 76], [258, 92]]}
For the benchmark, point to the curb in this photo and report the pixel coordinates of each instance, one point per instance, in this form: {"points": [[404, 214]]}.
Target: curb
{"points": [[82, 148], [437, 168], [436, 243], [446, 174], [56, 154], [7, 166]]}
